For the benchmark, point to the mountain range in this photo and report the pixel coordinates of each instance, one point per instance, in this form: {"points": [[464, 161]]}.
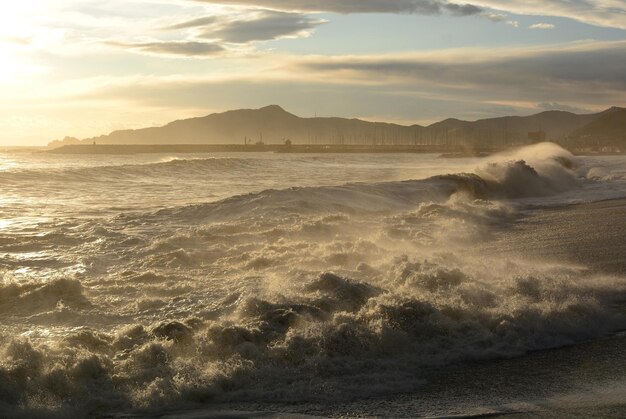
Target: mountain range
{"points": [[273, 125]]}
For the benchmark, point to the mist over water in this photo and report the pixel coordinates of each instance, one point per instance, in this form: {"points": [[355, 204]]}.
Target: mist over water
{"points": [[155, 281]]}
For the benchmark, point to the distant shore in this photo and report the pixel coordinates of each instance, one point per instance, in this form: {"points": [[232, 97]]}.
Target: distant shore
{"points": [[448, 151]]}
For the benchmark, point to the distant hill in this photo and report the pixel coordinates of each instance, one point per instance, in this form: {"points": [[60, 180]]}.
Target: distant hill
{"points": [[609, 129], [555, 125], [270, 124], [273, 125], [65, 141]]}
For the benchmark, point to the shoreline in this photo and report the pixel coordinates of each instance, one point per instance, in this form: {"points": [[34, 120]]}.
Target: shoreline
{"points": [[446, 151], [259, 148]]}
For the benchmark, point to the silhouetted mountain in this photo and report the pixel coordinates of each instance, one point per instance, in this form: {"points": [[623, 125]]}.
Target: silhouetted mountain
{"points": [[609, 129], [272, 125], [508, 130], [64, 141]]}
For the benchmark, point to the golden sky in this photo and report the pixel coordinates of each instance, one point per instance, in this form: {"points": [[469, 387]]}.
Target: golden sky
{"points": [[84, 67]]}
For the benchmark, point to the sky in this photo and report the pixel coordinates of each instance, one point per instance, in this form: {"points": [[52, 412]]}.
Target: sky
{"points": [[87, 67]]}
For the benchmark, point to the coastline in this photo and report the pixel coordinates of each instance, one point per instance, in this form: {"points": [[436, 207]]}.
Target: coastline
{"points": [[121, 149], [446, 151]]}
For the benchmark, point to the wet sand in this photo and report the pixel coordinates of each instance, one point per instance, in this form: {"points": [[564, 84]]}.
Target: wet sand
{"points": [[588, 235]]}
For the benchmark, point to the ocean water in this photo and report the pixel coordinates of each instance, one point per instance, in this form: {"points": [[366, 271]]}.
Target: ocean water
{"points": [[284, 284]]}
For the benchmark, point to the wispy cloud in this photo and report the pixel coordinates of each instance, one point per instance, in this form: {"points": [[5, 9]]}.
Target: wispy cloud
{"points": [[500, 17], [194, 23], [496, 17], [610, 13], [173, 48], [253, 25], [425, 7], [561, 73], [542, 26], [462, 9]]}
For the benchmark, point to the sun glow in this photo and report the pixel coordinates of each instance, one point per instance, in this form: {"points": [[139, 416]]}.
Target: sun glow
{"points": [[9, 64], [13, 36], [15, 23], [19, 34]]}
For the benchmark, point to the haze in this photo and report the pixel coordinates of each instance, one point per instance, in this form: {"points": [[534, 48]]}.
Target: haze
{"points": [[85, 68]]}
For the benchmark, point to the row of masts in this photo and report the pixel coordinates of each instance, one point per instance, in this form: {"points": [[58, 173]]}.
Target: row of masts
{"points": [[429, 137]]}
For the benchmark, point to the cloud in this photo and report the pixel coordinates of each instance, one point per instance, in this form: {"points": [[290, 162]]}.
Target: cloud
{"points": [[194, 23], [500, 17], [254, 25], [542, 26], [267, 26], [567, 74], [495, 17], [424, 7], [554, 106], [431, 85], [609, 13], [462, 9], [173, 48]]}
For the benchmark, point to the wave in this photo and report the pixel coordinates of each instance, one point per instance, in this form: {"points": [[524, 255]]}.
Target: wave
{"points": [[329, 338], [35, 297], [540, 170], [170, 168]]}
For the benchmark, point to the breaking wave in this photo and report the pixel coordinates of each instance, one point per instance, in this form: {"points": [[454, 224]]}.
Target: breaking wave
{"points": [[328, 338], [170, 168], [541, 170], [32, 298]]}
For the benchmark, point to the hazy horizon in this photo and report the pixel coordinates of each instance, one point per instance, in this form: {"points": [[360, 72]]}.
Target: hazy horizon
{"points": [[83, 68]]}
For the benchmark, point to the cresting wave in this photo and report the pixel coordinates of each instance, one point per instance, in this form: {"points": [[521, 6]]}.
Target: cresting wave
{"points": [[318, 293], [173, 167], [540, 170], [329, 338]]}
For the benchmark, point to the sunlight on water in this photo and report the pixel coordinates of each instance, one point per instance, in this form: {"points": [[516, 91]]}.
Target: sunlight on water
{"points": [[7, 164], [4, 224]]}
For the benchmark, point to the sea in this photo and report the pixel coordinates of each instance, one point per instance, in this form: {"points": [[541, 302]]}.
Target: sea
{"points": [[276, 285]]}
